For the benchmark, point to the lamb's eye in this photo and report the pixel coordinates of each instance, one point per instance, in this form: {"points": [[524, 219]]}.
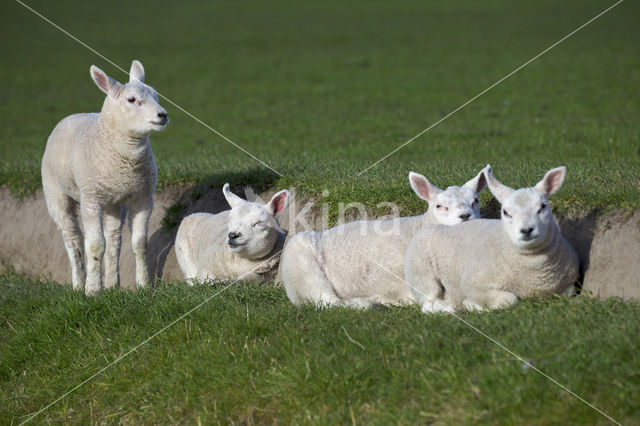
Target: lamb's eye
{"points": [[504, 212], [131, 100], [542, 207], [476, 201], [441, 207], [257, 223]]}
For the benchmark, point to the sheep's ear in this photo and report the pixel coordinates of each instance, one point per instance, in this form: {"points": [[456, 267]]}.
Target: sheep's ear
{"points": [[102, 80], [478, 183], [500, 191], [422, 187], [278, 203], [137, 71], [232, 199], [552, 181]]}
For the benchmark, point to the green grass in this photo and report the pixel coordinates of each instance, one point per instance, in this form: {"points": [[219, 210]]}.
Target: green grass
{"points": [[321, 90], [249, 355]]}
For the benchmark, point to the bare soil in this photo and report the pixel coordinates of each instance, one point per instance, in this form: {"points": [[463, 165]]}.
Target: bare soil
{"points": [[608, 245]]}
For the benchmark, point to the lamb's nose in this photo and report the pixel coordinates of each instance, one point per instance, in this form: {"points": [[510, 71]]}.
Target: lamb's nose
{"points": [[526, 231], [465, 216], [162, 115], [233, 235]]}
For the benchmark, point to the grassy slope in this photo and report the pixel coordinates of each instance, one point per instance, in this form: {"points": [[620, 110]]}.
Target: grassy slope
{"points": [[322, 90], [249, 354]]}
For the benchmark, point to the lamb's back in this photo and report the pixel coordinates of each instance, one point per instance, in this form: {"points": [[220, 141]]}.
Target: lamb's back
{"points": [[67, 139], [364, 258], [199, 233], [456, 252]]}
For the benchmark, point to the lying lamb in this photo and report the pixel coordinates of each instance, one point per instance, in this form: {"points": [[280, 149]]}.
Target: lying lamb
{"points": [[101, 164], [241, 243], [493, 263], [354, 264]]}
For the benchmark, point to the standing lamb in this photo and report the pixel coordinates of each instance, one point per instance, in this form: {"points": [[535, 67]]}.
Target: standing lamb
{"points": [[101, 164], [342, 266], [241, 243], [493, 263]]}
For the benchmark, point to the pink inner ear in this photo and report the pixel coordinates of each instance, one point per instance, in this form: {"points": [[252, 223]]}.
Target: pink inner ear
{"points": [[422, 188], [553, 182], [278, 203], [102, 81]]}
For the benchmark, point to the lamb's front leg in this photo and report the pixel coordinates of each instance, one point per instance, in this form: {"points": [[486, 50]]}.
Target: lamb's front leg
{"points": [[113, 219], [140, 214], [91, 212], [489, 298], [426, 288]]}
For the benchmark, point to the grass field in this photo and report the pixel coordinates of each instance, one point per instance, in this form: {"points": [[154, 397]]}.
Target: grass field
{"points": [[248, 355], [320, 91]]}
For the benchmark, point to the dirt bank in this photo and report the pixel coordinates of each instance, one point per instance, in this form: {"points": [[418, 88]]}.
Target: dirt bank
{"points": [[608, 245]]}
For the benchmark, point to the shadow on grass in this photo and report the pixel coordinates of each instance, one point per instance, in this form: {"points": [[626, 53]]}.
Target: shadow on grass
{"points": [[580, 231]]}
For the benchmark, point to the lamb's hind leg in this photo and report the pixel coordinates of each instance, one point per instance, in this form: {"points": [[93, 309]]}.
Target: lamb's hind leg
{"points": [[93, 243], [140, 214], [303, 277], [113, 219], [426, 289], [64, 210]]}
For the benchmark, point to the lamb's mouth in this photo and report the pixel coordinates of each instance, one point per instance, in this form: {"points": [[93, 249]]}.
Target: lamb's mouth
{"points": [[236, 244], [162, 122]]}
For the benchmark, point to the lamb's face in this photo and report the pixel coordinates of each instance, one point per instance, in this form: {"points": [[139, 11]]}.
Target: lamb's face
{"points": [[454, 205], [253, 227], [526, 218], [253, 232], [137, 111], [132, 108]]}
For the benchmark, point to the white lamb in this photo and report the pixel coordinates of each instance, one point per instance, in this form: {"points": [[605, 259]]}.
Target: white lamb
{"points": [[100, 165], [241, 243], [341, 266], [490, 264]]}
